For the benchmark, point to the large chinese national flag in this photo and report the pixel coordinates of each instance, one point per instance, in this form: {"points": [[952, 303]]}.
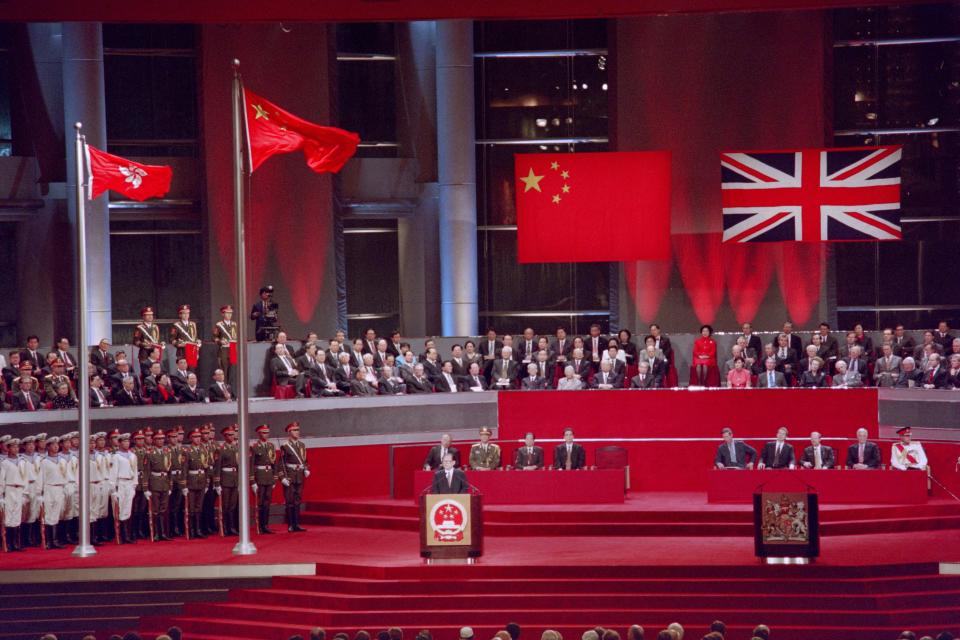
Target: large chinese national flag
{"points": [[593, 207], [272, 130]]}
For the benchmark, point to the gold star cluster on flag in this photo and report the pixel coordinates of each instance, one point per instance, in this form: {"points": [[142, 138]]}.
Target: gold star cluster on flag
{"points": [[531, 181], [261, 112]]}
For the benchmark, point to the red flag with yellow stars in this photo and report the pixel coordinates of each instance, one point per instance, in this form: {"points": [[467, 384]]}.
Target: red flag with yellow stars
{"points": [[593, 207], [271, 130]]}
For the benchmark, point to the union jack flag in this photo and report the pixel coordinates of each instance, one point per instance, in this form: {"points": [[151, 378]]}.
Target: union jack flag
{"points": [[811, 195]]}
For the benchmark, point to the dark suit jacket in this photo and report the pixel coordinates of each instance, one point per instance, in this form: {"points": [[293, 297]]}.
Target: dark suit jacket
{"points": [[116, 381], [20, 403], [871, 455], [548, 371], [442, 385], [537, 384], [829, 346], [940, 377], [280, 371], [362, 388], [484, 348], [588, 346], [390, 387], [121, 399], [861, 366], [197, 395], [216, 394], [795, 343], [567, 350], [433, 459], [521, 458], [496, 371], [769, 456], [431, 370], [356, 358], [612, 378], [37, 361], [458, 483], [808, 379], [95, 402], [521, 348], [906, 376], [745, 454], [762, 379], [826, 455], [578, 457], [459, 369], [419, 386], [649, 382], [467, 383], [904, 348], [101, 361], [177, 380], [583, 370]]}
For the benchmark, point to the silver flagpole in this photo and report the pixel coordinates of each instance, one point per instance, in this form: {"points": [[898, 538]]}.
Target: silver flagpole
{"points": [[84, 549], [244, 546]]}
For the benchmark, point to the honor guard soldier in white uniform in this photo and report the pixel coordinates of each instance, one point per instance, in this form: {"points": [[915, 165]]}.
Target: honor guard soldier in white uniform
{"points": [[906, 454], [53, 478], [71, 498], [99, 488], [124, 479], [13, 485], [31, 499]]}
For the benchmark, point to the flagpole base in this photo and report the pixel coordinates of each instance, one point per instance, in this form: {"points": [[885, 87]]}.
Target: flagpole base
{"points": [[244, 549], [84, 551]]}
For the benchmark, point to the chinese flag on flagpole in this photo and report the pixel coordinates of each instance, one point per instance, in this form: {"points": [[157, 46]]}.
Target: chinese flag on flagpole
{"points": [[107, 172], [271, 130], [593, 207]]}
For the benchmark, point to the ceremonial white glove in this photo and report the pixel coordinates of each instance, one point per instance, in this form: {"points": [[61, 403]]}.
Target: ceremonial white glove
{"points": [[147, 494], [306, 473], [254, 487], [218, 490], [285, 482], [184, 491], [170, 492]]}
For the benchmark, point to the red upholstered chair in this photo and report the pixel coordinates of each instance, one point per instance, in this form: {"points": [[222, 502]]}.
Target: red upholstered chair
{"points": [[632, 371], [286, 392], [613, 458], [671, 378]]}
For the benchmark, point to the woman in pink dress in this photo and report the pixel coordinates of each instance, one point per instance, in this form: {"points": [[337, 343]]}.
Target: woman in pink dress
{"points": [[704, 354], [739, 376]]}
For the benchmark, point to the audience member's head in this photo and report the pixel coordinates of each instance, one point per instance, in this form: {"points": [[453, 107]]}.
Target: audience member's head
{"points": [[675, 626], [665, 635], [381, 635], [513, 629], [318, 633], [424, 634], [589, 634], [501, 635], [550, 634], [611, 635], [761, 631], [362, 635], [132, 635], [717, 625], [635, 632], [396, 633], [907, 635], [295, 636], [466, 633], [945, 635], [175, 633], [48, 636]]}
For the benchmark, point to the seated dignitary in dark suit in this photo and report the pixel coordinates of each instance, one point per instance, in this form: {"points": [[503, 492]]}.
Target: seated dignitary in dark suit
{"points": [[533, 381], [474, 380], [770, 378], [435, 457], [606, 378], [817, 456], [449, 479], [529, 457], [644, 379], [734, 454], [569, 455], [863, 454], [361, 386], [779, 453], [190, 392]]}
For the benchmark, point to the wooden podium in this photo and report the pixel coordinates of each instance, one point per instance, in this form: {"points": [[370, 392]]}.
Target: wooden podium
{"points": [[451, 527]]}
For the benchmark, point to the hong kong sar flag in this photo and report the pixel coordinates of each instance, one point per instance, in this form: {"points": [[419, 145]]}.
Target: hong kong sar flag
{"points": [[107, 172], [593, 207]]}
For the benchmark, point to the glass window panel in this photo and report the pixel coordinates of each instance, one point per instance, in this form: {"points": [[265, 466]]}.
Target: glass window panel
{"points": [[930, 231], [149, 98], [940, 272], [372, 268], [532, 35], [856, 271], [383, 326], [366, 37], [930, 170], [367, 99], [897, 266], [149, 36], [544, 325], [855, 87], [919, 86], [897, 22], [497, 190]]}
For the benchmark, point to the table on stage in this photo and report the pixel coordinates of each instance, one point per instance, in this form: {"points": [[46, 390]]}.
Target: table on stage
{"points": [[593, 486], [835, 486]]}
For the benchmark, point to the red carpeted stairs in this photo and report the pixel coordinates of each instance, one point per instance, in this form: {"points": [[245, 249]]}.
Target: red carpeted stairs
{"points": [[648, 520], [799, 603]]}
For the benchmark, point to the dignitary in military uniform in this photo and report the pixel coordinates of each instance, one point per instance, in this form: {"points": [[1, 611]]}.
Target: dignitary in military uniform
{"points": [[263, 475], [124, 478], [177, 481], [294, 472], [195, 457], [208, 514], [569, 455], [817, 455], [226, 480], [146, 338], [52, 479], [156, 483], [13, 485], [529, 457], [907, 455], [225, 334], [185, 336], [141, 527], [484, 455]]}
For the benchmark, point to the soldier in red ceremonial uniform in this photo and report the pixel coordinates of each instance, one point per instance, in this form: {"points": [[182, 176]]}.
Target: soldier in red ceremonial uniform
{"points": [[225, 334], [146, 338]]}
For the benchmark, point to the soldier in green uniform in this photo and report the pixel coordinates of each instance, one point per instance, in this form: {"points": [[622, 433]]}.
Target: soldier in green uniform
{"points": [[177, 472], [226, 478], [484, 455], [294, 472], [146, 337], [195, 460], [140, 528], [263, 474], [208, 513], [225, 333], [156, 483]]}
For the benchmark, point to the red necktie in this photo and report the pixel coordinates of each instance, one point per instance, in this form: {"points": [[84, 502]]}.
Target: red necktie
{"points": [[30, 402]]}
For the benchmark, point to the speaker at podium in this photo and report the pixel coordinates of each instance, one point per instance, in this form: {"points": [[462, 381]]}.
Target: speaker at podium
{"points": [[451, 527]]}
